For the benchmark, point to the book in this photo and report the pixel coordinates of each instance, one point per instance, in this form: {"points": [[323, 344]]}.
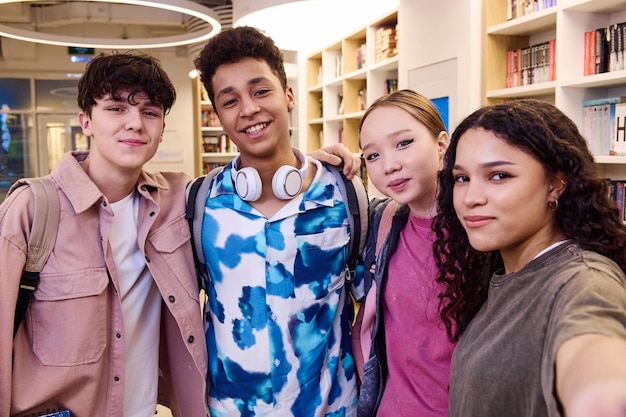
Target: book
{"points": [[552, 60], [605, 100], [590, 53], [602, 51], [612, 35], [618, 143], [619, 43]]}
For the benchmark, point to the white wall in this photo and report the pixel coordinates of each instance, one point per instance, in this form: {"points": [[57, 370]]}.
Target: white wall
{"points": [[25, 59], [435, 31]]}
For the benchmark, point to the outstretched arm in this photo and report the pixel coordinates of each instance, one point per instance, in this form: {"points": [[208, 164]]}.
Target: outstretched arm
{"points": [[591, 376], [337, 155]]}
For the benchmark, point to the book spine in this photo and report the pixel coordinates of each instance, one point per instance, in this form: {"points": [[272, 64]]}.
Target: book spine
{"points": [[612, 33], [552, 59], [619, 139], [606, 100], [587, 53]]}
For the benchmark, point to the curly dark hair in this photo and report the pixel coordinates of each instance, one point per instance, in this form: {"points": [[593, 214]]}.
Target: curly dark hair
{"points": [[585, 212], [134, 72], [233, 45]]}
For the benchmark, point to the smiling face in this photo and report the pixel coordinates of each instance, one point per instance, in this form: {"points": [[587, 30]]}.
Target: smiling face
{"points": [[125, 134], [253, 107], [402, 157], [501, 197]]}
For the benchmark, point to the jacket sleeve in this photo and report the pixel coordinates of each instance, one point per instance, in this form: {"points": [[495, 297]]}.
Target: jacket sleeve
{"points": [[15, 219]]}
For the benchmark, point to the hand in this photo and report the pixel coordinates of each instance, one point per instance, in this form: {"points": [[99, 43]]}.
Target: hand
{"points": [[591, 376], [338, 155]]}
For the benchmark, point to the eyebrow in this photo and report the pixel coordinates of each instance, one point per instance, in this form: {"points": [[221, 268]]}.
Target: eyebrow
{"points": [[230, 89], [124, 99], [492, 164], [392, 135]]}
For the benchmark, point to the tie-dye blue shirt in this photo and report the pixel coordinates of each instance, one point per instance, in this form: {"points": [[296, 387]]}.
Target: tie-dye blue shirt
{"points": [[277, 318]]}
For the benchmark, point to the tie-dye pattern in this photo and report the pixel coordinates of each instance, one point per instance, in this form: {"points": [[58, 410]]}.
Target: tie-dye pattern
{"points": [[277, 318]]}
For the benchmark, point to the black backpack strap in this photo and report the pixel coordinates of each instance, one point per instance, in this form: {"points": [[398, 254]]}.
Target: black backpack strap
{"points": [[41, 242], [357, 203]]}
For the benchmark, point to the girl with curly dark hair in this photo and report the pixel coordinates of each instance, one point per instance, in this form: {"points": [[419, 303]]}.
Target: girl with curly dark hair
{"points": [[531, 250]]}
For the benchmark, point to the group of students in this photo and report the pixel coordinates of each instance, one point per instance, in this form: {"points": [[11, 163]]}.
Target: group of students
{"points": [[498, 288]]}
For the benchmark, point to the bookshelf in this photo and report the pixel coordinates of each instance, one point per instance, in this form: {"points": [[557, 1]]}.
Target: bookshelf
{"points": [[213, 148], [566, 22], [343, 78]]}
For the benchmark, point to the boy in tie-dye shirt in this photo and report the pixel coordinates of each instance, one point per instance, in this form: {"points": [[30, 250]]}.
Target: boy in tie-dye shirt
{"points": [[275, 236]]}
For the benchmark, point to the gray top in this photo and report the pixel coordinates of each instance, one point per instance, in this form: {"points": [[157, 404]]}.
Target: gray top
{"points": [[504, 362]]}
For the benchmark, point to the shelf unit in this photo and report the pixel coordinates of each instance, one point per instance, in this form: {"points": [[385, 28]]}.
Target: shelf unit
{"points": [[566, 22], [204, 129], [339, 89]]}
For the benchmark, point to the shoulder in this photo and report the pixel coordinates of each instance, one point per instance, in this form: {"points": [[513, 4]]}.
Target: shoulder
{"points": [[171, 182], [580, 264], [16, 213]]}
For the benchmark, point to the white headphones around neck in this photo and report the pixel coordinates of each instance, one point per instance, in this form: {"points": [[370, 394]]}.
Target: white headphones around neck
{"points": [[286, 183]]}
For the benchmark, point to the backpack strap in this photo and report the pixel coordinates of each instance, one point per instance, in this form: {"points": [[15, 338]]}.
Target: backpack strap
{"points": [[384, 227], [357, 204], [363, 326], [196, 194], [41, 242]]}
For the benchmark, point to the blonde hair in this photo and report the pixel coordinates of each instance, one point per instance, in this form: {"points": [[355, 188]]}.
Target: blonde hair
{"points": [[415, 104]]}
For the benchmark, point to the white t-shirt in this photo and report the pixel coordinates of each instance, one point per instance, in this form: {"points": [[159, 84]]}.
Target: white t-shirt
{"points": [[141, 309]]}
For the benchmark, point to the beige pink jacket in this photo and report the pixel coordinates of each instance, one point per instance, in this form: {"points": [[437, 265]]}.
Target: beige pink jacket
{"points": [[69, 351]]}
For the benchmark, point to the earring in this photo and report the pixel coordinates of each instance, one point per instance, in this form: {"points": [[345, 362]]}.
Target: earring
{"points": [[553, 205]]}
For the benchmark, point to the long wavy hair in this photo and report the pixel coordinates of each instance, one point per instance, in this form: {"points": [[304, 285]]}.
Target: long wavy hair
{"points": [[585, 212]]}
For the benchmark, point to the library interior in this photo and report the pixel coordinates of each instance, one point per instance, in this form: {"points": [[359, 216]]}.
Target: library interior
{"points": [[340, 57]]}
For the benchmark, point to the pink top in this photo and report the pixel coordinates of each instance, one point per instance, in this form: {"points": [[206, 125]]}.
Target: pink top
{"points": [[418, 351]]}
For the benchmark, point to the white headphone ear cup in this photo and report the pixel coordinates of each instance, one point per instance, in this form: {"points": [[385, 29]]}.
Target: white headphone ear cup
{"points": [[248, 184], [287, 182]]}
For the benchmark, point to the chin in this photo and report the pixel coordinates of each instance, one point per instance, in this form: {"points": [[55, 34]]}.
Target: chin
{"points": [[482, 245]]}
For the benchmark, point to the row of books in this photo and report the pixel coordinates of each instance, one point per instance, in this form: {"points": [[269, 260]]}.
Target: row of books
{"points": [[605, 49], [604, 125], [391, 85], [520, 8], [386, 43], [531, 65], [209, 117], [361, 56], [209, 166], [218, 144], [617, 193]]}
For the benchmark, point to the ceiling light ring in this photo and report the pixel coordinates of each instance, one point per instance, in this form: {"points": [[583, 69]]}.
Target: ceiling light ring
{"points": [[179, 6]]}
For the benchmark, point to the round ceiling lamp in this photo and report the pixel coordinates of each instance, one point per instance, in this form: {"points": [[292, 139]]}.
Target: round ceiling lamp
{"points": [[307, 25], [208, 28]]}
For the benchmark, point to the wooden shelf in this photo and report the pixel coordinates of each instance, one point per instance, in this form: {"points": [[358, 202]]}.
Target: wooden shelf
{"points": [[566, 22], [340, 85]]}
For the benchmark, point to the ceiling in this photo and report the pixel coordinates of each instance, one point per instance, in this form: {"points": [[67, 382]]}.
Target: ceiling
{"points": [[107, 20]]}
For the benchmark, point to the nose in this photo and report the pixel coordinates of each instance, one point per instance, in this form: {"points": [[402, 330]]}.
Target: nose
{"points": [[249, 107], [134, 120], [472, 193], [391, 165]]}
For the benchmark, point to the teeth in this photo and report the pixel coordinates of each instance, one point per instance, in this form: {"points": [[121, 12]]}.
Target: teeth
{"points": [[256, 128]]}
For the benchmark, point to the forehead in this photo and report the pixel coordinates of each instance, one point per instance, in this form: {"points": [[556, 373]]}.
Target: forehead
{"points": [[242, 73], [389, 121]]}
